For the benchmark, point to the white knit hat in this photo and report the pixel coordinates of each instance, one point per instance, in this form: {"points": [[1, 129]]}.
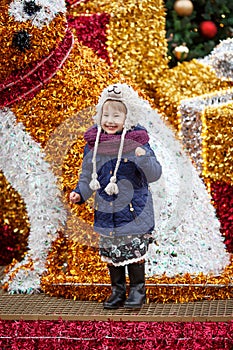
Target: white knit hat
{"points": [[135, 107]]}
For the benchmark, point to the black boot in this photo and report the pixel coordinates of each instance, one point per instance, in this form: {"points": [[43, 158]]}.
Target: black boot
{"points": [[137, 292], [117, 298]]}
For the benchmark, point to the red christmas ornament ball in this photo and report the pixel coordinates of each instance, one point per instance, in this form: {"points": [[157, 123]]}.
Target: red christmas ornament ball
{"points": [[208, 29]]}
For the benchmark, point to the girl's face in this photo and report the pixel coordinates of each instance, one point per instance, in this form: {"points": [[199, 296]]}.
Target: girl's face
{"points": [[113, 117]]}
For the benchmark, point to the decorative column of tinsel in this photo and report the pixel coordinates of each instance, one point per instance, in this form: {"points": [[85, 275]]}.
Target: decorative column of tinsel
{"points": [[218, 162], [217, 121], [187, 231], [191, 127], [23, 164]]}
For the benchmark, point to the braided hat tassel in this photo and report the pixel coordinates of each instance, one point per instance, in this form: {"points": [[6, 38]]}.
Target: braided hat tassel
{"points": [[112, 187], [94, 184]]}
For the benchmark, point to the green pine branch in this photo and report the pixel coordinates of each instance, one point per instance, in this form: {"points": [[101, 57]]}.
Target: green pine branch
{"points": [[186, 29]]}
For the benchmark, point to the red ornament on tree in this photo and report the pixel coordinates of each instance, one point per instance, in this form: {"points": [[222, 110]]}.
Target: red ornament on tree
{"points": [[208, 29]]}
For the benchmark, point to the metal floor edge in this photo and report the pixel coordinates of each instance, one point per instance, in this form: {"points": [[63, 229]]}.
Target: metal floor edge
{"points": [[44, 307]]}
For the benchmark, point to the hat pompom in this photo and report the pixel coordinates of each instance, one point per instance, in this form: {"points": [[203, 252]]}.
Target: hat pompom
{"points": [[112, 187], [94, 184]]}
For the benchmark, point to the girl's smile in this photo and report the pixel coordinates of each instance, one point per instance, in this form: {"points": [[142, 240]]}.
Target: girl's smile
{"points": [[111, 129]]}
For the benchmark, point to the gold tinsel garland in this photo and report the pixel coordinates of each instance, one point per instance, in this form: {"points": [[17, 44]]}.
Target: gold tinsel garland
{"points": [[217, 142]]}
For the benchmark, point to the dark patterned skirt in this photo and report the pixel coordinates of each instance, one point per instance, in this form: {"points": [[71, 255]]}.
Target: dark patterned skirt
{"points": [[124, 250]]}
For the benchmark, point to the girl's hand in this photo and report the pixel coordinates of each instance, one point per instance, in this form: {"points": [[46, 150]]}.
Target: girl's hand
{"points": [[75, 197], [139, 151]]}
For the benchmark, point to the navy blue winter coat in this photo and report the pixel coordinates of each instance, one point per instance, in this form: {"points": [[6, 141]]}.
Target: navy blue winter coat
{"points": [[130, 212]]}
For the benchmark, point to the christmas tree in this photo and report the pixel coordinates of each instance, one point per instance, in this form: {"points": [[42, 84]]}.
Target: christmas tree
{"points": [[195, 27]]}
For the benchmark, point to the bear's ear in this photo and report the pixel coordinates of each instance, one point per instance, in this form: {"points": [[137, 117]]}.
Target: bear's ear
{"points": [[39, 12]]}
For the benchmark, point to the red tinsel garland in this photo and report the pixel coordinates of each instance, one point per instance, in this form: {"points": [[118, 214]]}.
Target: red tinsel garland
{"points": [[222, 194], [64, 335], [91, 31]]}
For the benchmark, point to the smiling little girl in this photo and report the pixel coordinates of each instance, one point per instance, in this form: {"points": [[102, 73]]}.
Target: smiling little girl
{"points": [[119, 164]]}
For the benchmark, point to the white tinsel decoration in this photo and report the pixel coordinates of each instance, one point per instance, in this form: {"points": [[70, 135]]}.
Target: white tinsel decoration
{"points": [[48, 11], [221, 59], [187, 231], [22, 162]]}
